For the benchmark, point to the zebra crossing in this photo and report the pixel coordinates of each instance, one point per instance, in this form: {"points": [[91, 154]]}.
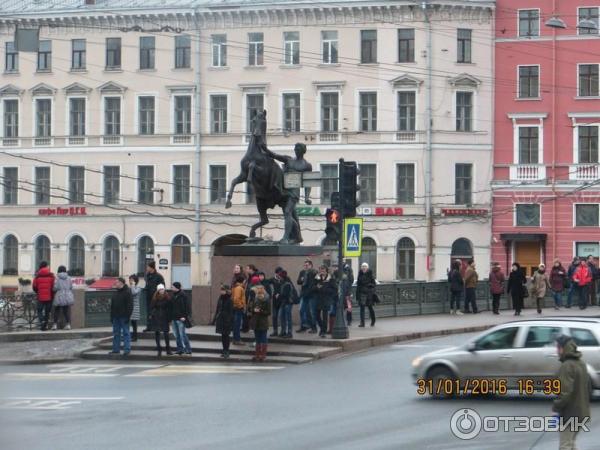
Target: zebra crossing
{"points": [[49, 403]]}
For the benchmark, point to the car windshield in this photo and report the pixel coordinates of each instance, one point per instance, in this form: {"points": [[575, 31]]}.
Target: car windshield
{"points": [[497, 340]]}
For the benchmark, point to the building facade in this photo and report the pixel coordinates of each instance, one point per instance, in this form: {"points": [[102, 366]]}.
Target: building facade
{"points": [[121, 135], [546, 195]]}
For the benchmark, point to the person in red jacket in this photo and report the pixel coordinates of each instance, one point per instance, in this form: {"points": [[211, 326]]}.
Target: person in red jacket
{"points": [[582, 277], [42, 285]]}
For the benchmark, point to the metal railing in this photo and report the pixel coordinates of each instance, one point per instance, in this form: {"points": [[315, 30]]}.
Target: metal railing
{"points": [[18, 312]]}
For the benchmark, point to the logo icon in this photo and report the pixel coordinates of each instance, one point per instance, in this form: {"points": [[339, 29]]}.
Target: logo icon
{"points": [[353, 238], [465, 424]]}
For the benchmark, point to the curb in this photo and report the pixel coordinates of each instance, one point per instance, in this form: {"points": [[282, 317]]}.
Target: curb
{"points": [[52, 336]]}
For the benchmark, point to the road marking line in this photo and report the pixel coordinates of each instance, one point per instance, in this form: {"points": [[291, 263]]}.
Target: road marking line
{"points": [[58, 375], [190, 370], [196, 367], [117, 366], [65, 398], [420, 346]]}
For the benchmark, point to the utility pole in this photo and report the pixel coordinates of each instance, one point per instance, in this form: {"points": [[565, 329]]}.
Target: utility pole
{"points": [[197, 160], [428, 145], [340, 329]]}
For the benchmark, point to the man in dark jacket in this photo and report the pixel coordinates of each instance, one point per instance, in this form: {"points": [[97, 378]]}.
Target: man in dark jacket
{"points": [[153, 279], [181, 314], [42, 286], [306, 281], [594, 270], [326, 290], [121, 307], [457, 286], [570, 272], [275, 288], [573, 402]]}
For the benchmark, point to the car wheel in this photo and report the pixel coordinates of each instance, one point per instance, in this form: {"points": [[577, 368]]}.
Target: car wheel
{"points": [[438, 375]]}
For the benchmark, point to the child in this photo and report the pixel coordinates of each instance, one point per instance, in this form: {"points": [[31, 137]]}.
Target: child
{"points": [[224, 318], [135, 315]]}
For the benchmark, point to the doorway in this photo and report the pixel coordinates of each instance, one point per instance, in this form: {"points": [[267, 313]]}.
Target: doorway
{"points": [[529, 255]]}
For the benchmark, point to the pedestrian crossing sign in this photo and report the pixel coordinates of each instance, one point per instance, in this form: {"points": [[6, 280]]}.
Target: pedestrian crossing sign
{"points": [[353, 236]]}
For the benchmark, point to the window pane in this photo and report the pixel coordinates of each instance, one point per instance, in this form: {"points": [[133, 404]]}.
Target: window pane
{"points": [[181, 250], [255, 49], [76, 256], [43, 117], [369, 254], [405, 181], [113, 53], [368, 41], [111, 256], [528, 145], [42, 251], [529, 24], [77, 117], [42, 185], [528, 215], [463, 45], [498, 340], [528, 82], [463, 184], [368, 183], [588, 144], [464, 105], [146, 115], [587, 215], [538, 337], [182, 52], [368, 111], [329, 41], [112, 116], [78, 54], [405, 255], [291, 112], [219, 50], [183, 114], [44, 60], [146, 184], [254, 104], [11, 118], [406, 111], [181, 180], [112, 184], [145, 250], [11, 63], [218, 113], [406, 45], [218, 180], [76, 184], [329, 182], [588, 14], [10, 184], [329, 111], [11, 256], [588, 80], [583, 337]]}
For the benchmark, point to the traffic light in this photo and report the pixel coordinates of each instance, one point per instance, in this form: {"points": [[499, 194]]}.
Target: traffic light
{"points": [[350, 187], [333, 229]]}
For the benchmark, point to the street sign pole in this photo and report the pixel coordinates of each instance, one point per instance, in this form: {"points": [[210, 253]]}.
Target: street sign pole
{"points": [[340, 329]]}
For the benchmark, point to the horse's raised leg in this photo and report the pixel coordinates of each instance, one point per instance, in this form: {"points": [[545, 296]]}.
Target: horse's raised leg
{"points": [[264, 219], [237, 180]]}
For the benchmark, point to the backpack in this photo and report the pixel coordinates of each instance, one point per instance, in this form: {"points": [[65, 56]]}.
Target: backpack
{"points": [[294, 297]]}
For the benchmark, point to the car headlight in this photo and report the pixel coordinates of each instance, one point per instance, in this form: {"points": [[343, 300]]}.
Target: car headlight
{"points": [[417, 361]]}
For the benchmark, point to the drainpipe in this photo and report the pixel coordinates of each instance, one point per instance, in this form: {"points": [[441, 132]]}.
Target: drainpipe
{"points": [[197, 179], [428, 150], [553, 90]]}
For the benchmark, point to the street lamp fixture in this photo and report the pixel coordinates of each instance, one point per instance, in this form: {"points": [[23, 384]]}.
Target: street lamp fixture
{"points": [[555, 22]]}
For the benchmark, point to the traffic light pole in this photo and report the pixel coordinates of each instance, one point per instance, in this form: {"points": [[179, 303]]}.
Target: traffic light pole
{"points": [[340, 329]]}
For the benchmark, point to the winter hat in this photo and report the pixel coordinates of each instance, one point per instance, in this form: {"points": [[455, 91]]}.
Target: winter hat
{"points": [[254, 280], [365, 265], [563, 340], [177, 285], [542, 266], [278, 269], [160, 287]]}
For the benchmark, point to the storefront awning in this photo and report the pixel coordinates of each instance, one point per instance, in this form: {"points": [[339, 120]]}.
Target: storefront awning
{"points": [[103, 284], [523, 237]]}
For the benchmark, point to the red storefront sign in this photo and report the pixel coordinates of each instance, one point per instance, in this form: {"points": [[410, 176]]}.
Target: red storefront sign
{"points": [[70, 211], [464, 212], [389, 212]]}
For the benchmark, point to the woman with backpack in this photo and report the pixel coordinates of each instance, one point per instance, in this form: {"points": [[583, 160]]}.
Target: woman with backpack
{"points": [[63, 297]]}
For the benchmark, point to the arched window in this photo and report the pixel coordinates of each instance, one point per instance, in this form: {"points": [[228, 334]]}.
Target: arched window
{"points": [[405, 257], [112, 256], [369, 254], [76, 256], [145, 253], [11, 255], [42, 251], [181, 250], [462, 248]]}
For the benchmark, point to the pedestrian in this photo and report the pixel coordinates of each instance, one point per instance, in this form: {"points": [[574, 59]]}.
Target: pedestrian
{"points": [[261, 310], [457, 286], [558, 277], [238, 294], [153, 279], [135, 315], [181, 314], [326, 291], [250, 271], [573, 402], [43, 282], [365, 291], [591, 261], [63, 297], [306, 281], [160, 317], [496, 279], [275, 287], [121, 307], [571, 270], [288, 295], [471, 278], [348, 282], [237, 271], [539, 283], [582, 277], [224, 317], [516, 287]]}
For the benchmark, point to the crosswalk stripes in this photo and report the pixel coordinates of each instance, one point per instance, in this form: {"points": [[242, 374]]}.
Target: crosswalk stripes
{"points": [[48, 403]]}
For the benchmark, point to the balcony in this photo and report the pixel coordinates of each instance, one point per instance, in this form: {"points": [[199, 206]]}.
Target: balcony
{"points": [[43, 141], [329, 137], [527, 172], [406, 136], [10, 142], [182, 139], [76, 140], [111, 140], [584, 172]]}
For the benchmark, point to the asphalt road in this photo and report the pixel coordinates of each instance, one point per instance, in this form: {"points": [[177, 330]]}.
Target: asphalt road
{"points": [[361, 401]]}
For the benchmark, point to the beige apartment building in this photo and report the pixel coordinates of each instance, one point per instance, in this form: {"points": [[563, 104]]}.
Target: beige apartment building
{"points": [[120, 136]]}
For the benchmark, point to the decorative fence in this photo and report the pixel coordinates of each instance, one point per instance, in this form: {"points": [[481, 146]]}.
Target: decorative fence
{"points": [[18, 311]]}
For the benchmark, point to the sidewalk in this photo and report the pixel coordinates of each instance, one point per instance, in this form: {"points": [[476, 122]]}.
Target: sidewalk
{"points": [[35, 346]]}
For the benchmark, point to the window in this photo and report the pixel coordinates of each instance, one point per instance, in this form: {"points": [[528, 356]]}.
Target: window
{"points": [[329, 111], [407, 110], [42, 251], [529, 23], [528, 145], [219, 50], [368, 183], [254, 105], [528, 215], [146, 184], [218, 180], [181, 251], [42, 185], [588, 14], [291, 112], [113, 53], [44, 56], [587, 215], [463, 184], [405, 255], [43, 117], [541, 337], [145, 250], [76, 184], [111, 257], [10, 264], [11, 118], [291, 47], [588, 80], [529, 81], [218, 114], [146, 111], [112, 116], [182, 52], [588, 144], [497, 340], [76, 256], [463, 45], [76, 117], [329, 41], [368, 46], [583, 337], [406, 45], [368, 111], [78, 54], [147, 51], [183, 114], [464, 111], [255, 49], [369, 254], [11, 185], [181, 184], [11, 63], [329, 182], [405, 183], [112, 184]]}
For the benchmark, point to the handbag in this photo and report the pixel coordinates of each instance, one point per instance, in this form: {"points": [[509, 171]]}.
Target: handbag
{"points": [[188, 323], [525, 292]]}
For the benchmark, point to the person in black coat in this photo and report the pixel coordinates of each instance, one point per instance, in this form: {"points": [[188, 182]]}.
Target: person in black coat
{"points": [[275, 285], [152, 279], [516, 287], [121, 307], [457, 287], [365, 290], [347, 282], [326, 295], [223, 320], [181, 313], [161, 314]]}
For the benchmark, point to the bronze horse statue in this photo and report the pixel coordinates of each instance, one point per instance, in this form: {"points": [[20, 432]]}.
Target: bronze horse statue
{"points": [[262, 173]]}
